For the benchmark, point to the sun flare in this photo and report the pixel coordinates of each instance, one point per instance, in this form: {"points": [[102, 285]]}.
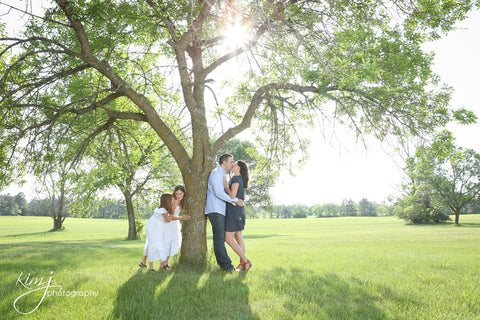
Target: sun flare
{"points": [[236, 35]]}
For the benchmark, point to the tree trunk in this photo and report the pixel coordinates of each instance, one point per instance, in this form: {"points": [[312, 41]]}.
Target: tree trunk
{"points": [[57, 214], [132, 229], [457, 216], [57, 222], [194, 232]]}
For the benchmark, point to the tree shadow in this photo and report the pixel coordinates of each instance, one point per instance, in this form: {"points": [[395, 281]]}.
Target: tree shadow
{"points": [[25, 262], [27, 234], [295, 293], [183, 293], [258, 236], [445, 225], [469, 225]]}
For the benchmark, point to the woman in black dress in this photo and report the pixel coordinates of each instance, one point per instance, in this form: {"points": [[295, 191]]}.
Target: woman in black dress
{"points": [[235, 215]]}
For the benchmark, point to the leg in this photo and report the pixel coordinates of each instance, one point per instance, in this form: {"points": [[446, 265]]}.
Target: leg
{"points": [[150, 265], [143, 263], [164, 264], [234, 245], [241, 244], [145, 254], [218, 229], [239, 239]]}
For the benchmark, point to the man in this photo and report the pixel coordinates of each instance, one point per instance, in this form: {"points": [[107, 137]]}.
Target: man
{"points": [[215, 209]]}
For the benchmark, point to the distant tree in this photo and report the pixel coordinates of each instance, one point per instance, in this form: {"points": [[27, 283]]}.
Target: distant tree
{"points": [[472, 207], [444, 175], [366, 208], [39, 207], [385, 209], [22, 203], [331, 209], [417, 207], [300, 211], [316, 210], [131, 159], [349, 208], [282, 211], [8, 206]]}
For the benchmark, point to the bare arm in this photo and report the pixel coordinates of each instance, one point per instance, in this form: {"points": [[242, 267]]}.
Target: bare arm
{"points": [[231, 192], [169, 218]]}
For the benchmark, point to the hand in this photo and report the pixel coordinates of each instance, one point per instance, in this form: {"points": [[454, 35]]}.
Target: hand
{"points": [[240, 203], [186, 217]]}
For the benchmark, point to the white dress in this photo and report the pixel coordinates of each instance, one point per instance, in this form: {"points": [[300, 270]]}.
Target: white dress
{"points": [[163, 238]]}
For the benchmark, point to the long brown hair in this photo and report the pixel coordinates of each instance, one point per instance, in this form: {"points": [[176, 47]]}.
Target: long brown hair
{"points": [[244, 172], [166, 202], [181, 188]]}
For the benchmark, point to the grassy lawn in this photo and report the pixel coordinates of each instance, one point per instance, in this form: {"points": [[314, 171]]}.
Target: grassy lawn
{"points": [[335, 268]]}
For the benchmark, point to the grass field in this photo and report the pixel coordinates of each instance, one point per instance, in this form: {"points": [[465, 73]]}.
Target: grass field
{"points": [[336, 268]]}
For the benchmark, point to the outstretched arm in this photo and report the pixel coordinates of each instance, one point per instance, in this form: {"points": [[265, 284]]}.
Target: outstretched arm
{"points": [[169, 218]]}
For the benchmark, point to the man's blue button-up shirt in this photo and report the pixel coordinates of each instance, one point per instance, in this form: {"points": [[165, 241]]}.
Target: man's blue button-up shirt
{"points": [[216, 195]]}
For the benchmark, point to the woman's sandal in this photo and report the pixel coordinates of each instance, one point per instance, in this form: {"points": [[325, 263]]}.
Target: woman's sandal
{"points": [[151, 270], [142, 265], [244, 266]]}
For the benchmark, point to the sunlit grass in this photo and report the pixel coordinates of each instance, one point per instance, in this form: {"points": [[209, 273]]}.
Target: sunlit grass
{"points": [[336, 268]]}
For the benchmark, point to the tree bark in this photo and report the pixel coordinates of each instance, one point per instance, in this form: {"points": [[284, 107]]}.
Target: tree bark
{"points": [[57, 214], [57, 222], [194, 232], [132, 229], [457, 216]]}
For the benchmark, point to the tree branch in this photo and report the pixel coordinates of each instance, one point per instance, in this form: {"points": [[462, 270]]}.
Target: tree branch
{"points": [[257, 99]]}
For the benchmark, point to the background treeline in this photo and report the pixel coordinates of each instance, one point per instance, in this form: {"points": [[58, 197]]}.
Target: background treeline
{"points": [[348, 208], [103, 208], [115, 209]]}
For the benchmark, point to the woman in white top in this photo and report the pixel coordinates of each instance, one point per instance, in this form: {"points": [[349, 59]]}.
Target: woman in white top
{"points": [[163, 232]]}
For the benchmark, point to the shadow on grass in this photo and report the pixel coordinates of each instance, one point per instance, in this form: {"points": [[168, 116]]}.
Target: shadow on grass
{"points": [[293, 293], [183, 293], [445, 225], [469, 225], [258, 236], [33, 262]]}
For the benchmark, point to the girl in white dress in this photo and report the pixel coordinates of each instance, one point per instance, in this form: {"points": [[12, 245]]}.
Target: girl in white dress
{"points": [[163, 233], [179, 196]]}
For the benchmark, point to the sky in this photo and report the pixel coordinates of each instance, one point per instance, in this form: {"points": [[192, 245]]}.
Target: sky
{"points": [[345, 169], [334, 173]]}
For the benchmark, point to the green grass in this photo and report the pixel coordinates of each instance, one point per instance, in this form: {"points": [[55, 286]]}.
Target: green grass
{"points": [[336, 268]]}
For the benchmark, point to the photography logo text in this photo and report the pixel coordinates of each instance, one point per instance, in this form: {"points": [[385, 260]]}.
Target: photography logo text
{"points": [[39, 289]]}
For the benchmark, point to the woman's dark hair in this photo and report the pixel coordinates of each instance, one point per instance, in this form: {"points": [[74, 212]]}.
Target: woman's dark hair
{"points": [[181, 188], [244, 172], [166, 202]]}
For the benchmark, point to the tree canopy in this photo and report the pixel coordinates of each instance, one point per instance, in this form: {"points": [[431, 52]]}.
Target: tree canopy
{"points": [[193, 70], [442, 176]]}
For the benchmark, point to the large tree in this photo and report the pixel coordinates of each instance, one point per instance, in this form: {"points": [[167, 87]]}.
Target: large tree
{"points": [[281, 61], [448, 176]]}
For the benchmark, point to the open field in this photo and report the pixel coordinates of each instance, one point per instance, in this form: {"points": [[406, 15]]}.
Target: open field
{"points": [[336, 268]]}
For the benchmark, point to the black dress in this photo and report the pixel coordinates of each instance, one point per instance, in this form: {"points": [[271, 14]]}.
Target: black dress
{"points": [[235, 215]]}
